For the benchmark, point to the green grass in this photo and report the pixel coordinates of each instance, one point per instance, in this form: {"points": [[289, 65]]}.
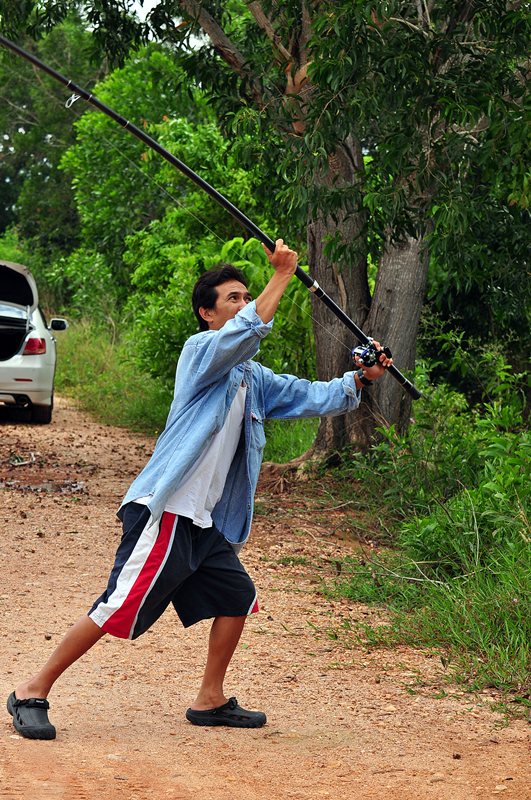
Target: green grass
{"points": [[288, 439], [103, 379], [479, 622]]}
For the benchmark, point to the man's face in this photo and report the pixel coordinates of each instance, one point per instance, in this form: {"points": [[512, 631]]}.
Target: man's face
{"points": [[232, 296]]}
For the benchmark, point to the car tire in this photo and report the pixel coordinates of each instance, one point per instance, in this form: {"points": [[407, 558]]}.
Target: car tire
{"points": [[42, 415]]}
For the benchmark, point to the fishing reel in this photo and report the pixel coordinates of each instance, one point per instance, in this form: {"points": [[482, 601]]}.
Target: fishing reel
{"points": [[369, 355]]}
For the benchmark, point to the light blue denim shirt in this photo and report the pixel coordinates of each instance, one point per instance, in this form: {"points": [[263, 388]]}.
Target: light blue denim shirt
{"points": [[212, 365]]}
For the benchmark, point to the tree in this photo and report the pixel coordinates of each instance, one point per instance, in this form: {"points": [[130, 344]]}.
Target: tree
{"points": [[386, 111], [147, 232], [423, 89], [37, 197], [114, 182]]}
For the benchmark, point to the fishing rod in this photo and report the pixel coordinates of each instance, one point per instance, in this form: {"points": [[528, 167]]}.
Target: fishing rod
{"points": [[368, 353]]}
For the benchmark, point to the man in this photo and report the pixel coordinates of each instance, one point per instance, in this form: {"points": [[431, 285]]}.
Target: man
{"points": [[188, 513]]}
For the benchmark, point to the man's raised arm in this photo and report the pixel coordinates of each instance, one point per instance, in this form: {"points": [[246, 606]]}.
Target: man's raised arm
{"points": [[284, 262]]}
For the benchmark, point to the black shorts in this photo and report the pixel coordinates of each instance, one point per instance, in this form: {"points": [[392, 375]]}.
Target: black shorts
{"points": [[176, 562]]}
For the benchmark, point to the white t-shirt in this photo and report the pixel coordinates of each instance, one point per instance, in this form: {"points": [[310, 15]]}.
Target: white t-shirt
{"points": [[201, 490]]}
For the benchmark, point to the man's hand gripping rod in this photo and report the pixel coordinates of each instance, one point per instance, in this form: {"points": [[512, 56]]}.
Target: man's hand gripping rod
{"points": [[235, 212]]}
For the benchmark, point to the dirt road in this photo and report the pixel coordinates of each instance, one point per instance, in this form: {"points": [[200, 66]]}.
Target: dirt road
{"points": [[343, 721]]}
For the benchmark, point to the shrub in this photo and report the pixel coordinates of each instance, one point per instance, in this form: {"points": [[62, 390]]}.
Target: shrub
{"points": [[458, 574], [464, 532]]}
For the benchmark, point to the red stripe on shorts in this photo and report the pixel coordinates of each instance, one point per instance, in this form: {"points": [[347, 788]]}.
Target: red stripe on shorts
{"points": [[122, 620]]}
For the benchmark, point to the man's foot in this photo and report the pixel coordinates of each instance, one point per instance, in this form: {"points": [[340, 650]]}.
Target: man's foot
{"points": [[30, 717], [230, 714]]}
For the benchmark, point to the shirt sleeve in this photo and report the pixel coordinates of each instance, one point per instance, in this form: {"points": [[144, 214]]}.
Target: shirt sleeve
{"points": [[286, 396], [210, 355]]}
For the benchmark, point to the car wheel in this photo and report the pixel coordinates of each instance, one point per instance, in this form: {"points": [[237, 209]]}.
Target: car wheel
{"points": [[42, 415]]}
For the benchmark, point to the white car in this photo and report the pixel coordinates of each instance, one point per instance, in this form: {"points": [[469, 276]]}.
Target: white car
{"points": [[27, 346]]}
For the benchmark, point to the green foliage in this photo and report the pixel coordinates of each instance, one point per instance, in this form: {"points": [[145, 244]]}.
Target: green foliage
{"points": [[33, 16], [83, 280], [166, 258], [478, 288], [96, 369], [36, 130], [288, 439], [290, 346], [439, 453], [437, 99], [456, 491], [12, 249], [486, 373], [445, 448], [425, 86], [138, 249], [466, 530], [116, 28], [115, 189], [161, 307]]}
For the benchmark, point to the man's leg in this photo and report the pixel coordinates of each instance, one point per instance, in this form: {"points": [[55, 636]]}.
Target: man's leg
{"points": [[80, 638], [211, 707], [224, 636]]}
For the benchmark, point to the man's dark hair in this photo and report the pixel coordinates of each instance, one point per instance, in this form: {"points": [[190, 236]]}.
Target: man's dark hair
{"points": [[205, 295]]}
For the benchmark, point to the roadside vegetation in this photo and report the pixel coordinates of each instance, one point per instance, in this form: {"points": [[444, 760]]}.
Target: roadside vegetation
{"points": [[451, 558], [116, 240]]}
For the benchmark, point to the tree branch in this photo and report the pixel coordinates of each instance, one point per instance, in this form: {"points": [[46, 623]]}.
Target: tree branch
{"points": [[306, 27], [466, 13], [265, 23], [222, 44], [25, 117]]}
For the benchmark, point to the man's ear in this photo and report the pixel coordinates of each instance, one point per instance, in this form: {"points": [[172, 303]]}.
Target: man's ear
{"points": [[206, 313]]}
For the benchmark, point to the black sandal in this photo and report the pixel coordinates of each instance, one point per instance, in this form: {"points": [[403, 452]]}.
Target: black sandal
{"points": [[230, 714], [30, 717]]}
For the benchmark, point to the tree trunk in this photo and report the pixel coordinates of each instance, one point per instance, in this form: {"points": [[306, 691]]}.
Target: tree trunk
{"points": [[344, 283], [393, 319]]}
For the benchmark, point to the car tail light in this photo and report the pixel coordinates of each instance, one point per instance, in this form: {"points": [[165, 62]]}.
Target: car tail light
{"points": [[34, 347]]}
